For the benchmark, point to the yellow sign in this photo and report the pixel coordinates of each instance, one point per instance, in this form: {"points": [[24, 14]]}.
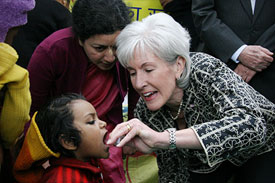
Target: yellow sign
{"points": [[143, 8]]}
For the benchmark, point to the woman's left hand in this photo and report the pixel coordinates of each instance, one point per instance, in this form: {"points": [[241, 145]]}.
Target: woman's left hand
{"points": [[136, 134]]}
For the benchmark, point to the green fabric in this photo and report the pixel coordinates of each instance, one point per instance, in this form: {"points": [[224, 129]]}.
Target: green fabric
{"points": [[141, 168]]}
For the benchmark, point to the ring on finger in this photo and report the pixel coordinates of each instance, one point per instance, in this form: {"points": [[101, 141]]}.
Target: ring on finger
{"points": [[129, 127]]}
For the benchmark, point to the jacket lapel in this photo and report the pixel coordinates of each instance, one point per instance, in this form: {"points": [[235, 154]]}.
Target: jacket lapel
{"points": [[258, 7], [247, 7]]}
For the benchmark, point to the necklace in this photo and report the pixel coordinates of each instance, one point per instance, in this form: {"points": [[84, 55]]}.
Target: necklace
{"points": [[179, 110]]}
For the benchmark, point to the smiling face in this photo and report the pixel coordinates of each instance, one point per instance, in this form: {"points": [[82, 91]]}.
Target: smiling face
{"points": [[155, 80], [100, 50], [92, 132]]}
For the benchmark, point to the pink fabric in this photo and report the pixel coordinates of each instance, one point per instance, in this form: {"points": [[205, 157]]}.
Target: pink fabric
{"points": [[112, 168], [103, 97]]}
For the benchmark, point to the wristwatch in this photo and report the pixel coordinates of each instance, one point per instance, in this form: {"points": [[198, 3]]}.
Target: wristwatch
{"points": [[172, 138]]}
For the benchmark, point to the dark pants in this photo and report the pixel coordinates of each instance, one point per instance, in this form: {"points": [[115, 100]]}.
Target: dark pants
{"points": [[259, 169]]}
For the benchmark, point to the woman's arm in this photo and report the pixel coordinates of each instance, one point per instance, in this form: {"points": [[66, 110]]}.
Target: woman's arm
{"points": [[41, 77], [146, 140]]}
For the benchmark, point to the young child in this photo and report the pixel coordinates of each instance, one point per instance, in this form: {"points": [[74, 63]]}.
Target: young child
{"points": [[75, 138]]}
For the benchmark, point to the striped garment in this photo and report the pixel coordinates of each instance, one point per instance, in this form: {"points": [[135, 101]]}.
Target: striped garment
{"points": [[70, 170]]}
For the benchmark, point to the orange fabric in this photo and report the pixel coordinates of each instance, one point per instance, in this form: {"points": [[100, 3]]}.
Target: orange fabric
{"points": [[23, 170], [34, 152]]}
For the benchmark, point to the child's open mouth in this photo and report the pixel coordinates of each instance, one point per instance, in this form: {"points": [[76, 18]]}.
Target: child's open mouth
{"points": [[105, 138]]}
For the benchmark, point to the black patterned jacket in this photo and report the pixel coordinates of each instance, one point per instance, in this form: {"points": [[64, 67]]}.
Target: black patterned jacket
{"points": [[232, 121]]}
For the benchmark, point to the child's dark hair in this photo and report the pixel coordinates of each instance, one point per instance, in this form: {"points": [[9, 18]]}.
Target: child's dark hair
{"points": [[92, 17], [55, 120]]}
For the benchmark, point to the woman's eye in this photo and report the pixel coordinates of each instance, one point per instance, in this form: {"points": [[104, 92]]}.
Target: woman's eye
{"points": [[100, 49], [132, 74], [91, 122], [114, 48], [148, 70]]}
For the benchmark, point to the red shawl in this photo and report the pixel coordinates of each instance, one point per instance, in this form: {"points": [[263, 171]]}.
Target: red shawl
{"points": [[102, 96]]}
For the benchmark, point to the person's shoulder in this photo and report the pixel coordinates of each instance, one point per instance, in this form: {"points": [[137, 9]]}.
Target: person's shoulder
{"points": [[201, 57], [9, 69], [8, 57], [20, 72], [58, 37], [207, 68], [203, 61], [62, 34]]}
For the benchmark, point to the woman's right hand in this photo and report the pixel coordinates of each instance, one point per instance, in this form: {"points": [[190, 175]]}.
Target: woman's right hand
{"points": [[137, 135]]}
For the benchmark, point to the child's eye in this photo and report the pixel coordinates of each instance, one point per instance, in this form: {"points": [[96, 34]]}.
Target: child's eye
{"points": [[91, 122]]}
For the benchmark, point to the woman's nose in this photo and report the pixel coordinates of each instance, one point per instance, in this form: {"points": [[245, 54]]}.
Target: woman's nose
{"points": [[110, 54], [140, 81]]}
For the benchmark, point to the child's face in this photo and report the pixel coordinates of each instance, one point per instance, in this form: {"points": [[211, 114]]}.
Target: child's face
{"points": [[92, 132]]}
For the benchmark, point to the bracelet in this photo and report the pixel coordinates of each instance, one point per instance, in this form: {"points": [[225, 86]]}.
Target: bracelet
{"points": [[172, 138]]}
